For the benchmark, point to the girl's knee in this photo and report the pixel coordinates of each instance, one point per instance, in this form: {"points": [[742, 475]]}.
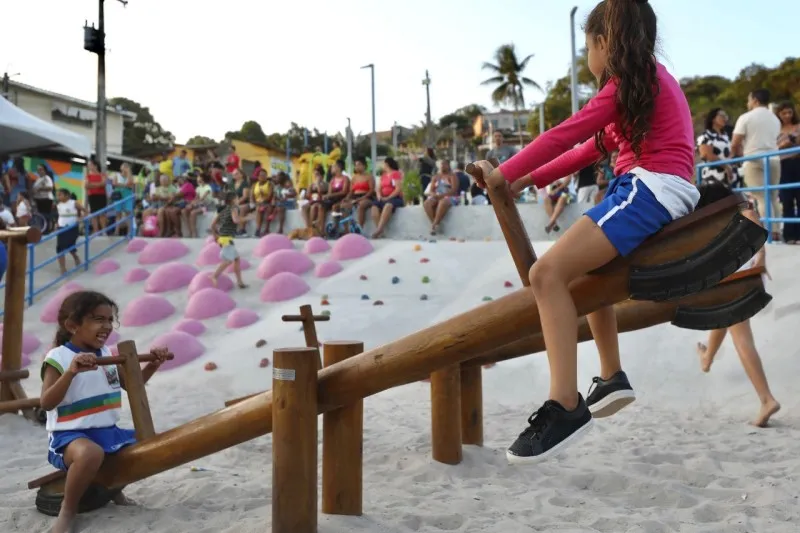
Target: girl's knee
{"points": [[85, 454], [542, 275]]}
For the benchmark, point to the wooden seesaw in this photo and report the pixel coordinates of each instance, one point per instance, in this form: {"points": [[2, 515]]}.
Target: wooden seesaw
{"points": [[12, 396], [688, 256]]}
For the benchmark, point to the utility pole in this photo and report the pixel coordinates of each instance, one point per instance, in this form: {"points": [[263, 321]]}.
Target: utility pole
{"points": [[428, 124], [374, 151], [394, 138], [574, 70], [349, 135]]}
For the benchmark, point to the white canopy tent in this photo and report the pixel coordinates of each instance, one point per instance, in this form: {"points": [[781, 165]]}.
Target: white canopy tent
{"points": [[22, 132]]}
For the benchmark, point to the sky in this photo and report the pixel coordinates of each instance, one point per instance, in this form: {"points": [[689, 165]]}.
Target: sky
{"points": [[204, 68]]}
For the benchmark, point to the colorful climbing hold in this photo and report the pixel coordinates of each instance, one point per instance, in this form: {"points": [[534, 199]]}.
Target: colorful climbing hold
{"points": [[487, 239], [210, 366], [487, 298], [508, 284], [395, 280], [264, 363], [452, 238], [364, 297], [301, 328], [324, 297], [489, 365], [423, 297], [362, 277], [392, 261], [260, 343], [462, 240], [417, 247], [326, 313], [424, 260], [324, 302], [378, 302], [426, 279]]}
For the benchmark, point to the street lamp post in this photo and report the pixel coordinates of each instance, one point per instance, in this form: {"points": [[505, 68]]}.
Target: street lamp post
{"points": [[574, 72], [374, 151]]}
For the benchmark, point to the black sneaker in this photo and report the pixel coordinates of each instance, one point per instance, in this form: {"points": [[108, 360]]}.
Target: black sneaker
{"points": [[606, 397], [550, 430]]}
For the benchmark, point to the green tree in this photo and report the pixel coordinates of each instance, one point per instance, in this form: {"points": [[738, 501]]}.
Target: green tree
{"points": [[143, 136], [199, 140], [509, 80], [250, 131]]}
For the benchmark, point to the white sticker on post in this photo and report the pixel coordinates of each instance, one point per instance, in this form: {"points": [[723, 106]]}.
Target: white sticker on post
{"points": [[283, 374]]}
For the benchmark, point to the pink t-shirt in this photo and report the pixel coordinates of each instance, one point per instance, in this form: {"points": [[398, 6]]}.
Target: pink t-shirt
{"points": [[188, 192], [389, 182], [667, 149]]}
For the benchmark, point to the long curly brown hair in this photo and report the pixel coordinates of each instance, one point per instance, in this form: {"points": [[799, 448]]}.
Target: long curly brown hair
{"points": [[630, 29]]}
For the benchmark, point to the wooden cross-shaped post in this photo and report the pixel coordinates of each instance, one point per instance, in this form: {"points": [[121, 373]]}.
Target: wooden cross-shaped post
{"points": [[308, 318]]}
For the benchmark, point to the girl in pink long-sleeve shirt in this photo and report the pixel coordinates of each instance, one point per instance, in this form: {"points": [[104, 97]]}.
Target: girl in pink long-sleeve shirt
{"points": [[641, 111]]}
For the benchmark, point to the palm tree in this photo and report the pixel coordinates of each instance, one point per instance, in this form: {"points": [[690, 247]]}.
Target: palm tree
{"points": [[510, 81]]}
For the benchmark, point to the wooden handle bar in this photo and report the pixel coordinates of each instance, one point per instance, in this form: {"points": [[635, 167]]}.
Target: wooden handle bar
{"points": [[14, 375], [28, 234], [519, 244], [299, 318], [17, 405], [118, 359]]}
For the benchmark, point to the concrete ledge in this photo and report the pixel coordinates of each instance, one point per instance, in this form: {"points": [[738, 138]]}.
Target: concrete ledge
{"points": [[469, 222]]}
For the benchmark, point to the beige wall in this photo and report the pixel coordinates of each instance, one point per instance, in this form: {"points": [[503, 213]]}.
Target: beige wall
{"points": [[41, 106]]}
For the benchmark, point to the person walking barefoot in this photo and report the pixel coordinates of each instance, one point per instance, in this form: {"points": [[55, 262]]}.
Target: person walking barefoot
{"points": [[741, 333]]}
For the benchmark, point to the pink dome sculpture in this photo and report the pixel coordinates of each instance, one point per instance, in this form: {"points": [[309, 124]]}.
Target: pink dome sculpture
{"points": [[136, 246], [208, 303], [284, 261], [241, 318], [316, 245], [146, 310], [185, 347], [106, 266], [135, 275], [161, 251], [190, 326], [283, 286], [351, 246], [244, 264], [327, 269], [210, 239], [209, 255], [30, 343], [272, 243], [170, 276], [50, 311], [202, 280]]}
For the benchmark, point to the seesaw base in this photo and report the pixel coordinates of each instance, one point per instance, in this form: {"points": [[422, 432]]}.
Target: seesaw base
{"points": [[96, 497]]}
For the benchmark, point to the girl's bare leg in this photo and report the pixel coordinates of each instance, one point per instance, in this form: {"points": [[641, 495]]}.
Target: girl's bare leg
{"points": [[742, 336], [304, 212], [237, 271], [281, 218], [583, 248], [361, 212], [83, 459], [603, 324], [441, 210], [218, 272], [708, 352], [386, 215], [259, 221], [559, 208]]}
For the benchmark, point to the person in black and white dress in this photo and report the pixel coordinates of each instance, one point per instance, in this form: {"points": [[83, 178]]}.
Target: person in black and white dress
{"points": [[69, 213], [714, 144]]}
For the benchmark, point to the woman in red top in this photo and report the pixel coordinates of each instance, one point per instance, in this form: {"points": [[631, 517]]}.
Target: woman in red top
{"points": [[97, 197], [390, 196], [641, 110]]}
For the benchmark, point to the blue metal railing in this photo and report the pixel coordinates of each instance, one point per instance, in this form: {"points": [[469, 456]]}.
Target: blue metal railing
{"points": [[767, 188], [33, 291]]}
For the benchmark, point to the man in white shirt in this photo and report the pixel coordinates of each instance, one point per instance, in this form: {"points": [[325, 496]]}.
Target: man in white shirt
{"points": [[756, 132]]}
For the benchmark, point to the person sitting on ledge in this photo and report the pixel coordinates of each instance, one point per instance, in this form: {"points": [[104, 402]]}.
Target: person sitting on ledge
{"points": [[389, 196], [444, 194]]}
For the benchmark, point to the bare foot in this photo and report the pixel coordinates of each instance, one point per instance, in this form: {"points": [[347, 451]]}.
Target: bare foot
{"points": [[767, 410], [121, 499], [548, 228], [242, 285], [64, 523], [377, 235], [434, 229], [705, 359]]}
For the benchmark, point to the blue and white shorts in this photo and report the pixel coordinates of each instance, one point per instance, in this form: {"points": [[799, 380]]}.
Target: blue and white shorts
{"points": [[630, 212], [111, 440]]}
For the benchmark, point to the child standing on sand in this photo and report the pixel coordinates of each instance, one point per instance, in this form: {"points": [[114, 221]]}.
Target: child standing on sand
{"points": [[741, 333], [83, 400], [224, 228], [642, 111]]}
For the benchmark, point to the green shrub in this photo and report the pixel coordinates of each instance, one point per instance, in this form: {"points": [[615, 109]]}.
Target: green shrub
{"points": [[412, 186]]}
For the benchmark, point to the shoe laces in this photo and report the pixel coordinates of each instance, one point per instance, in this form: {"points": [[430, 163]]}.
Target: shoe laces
{"points": [[595, 381], [538, 421]]}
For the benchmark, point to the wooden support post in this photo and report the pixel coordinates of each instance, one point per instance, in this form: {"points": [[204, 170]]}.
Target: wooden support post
{"points": [[14, 375], [342, 444], [137, 395], [308, 319], [12, 321], [294, 440], [472, 405], [446, 415]]}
